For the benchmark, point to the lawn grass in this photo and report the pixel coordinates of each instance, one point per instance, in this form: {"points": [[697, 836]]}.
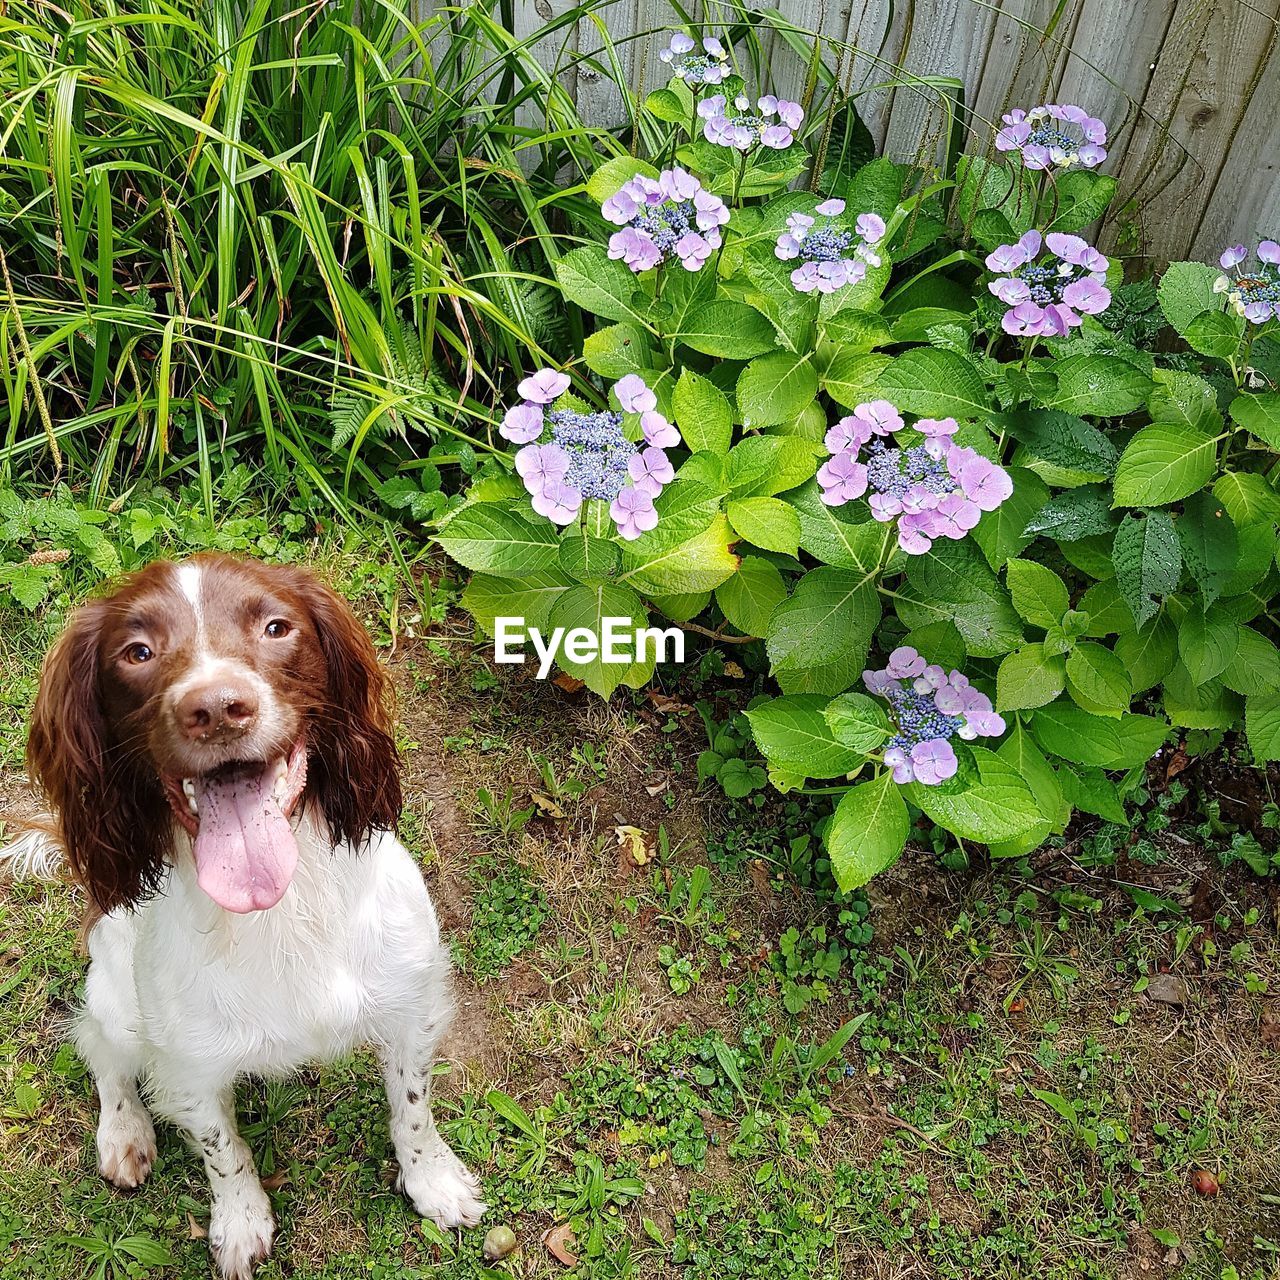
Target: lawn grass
{"points": [[625, 1058]]}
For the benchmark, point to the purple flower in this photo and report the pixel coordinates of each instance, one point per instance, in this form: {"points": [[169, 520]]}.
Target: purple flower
{"points": [[710, 66], [1054, 137], [650, 470], [904, 661], [842, 479], [544, 386], [933, 489], [521, 423], [671, 215], [832, 254], [736, 125], [558, 501], [1046, 297], [633, 512], [933, 761], [658, 431], [538, 465], [1255, 295], [634, 394]]}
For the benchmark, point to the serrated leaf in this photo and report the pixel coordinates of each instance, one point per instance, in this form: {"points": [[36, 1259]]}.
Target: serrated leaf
{"points": [[614, 174], [793, 735], [1029, 677], [489, 537], [1215, 333], [750, 596], [1163, 463], [1186, 290], [1262, 726], [1207, 642], [1248, 498], [826, 534], [1260, 416], [531, 599], [830, 617], [858, 721], [1148, 654], [1255, 666], [769, 523], [1001, 533], [1079, 736], [761, 466], [1100, 678], [586, 607], [1105, 386], [775, 388], [1039, 595], [997, 806], [1148, 562], [852, 377], [867, 832], [702, 413], [1079, 513], [729, 329], [1063, 440], [601, 284], [952, 582], [937, 384], [1207, 537]]}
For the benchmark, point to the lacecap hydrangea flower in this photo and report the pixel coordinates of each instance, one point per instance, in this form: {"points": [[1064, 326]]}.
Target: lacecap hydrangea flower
{"points": [[934, 489], [1252, 294], [1054, 137], [929, 707], [1048, 296], [571, 455], [736, 124], [708, 65], [670, 215], [832, 255]]}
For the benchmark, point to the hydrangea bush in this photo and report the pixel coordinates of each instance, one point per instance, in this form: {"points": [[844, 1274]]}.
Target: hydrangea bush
{"points": [[991, 535]]}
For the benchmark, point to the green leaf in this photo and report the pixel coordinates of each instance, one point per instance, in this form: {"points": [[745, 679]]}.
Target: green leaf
{"points": [[1091, 791], [776, 388], [953, 582], [1148, 654], [828, 535], [750, 596], [761, 466], [728, 329], [1000, 533], [855, 332], [587, 607], [1248, 498], [1148, 562], [1074, 734], [997, 806], [1063, 440], [852, 377], [1198, 705], [1083, 197], [1262, 726], [617, 350], [867, 832], [586, 557], [934, 383], [1260, 416], [1215, 333], [1106, 610], [1207, 642], [1039, 595], [1020, 751], [1079, 513], [489, 537], [702, 413], [1207, 537], [858, 721], [794, 736], [1186, 290], [1185, 400], [766, 522], [1163, 463], [666, 106], [601, 284], [614, 174], [1255, 666], [830, 617], [487, 598], [1029, 677], [1098, 679], [1105, 386], [656, 566]]}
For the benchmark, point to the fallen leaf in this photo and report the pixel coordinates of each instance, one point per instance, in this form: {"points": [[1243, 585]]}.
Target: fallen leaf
{"points": [[761, 876], [570, 684], [1177, 763], [664, 702], [274, 1181], [194, 1230], [733, 671], [558, 1240], [658, 788], [546, 805], [631, 840]]}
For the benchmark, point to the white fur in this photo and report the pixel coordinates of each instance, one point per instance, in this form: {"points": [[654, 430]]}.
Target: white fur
{"points": [[186, 997], [33, 855]]}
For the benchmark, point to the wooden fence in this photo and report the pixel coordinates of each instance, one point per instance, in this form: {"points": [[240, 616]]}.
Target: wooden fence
{"points": [[1189, 88]]}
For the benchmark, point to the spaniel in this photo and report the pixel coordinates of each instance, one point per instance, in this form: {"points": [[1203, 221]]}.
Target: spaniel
{"points": [[214, 744]]}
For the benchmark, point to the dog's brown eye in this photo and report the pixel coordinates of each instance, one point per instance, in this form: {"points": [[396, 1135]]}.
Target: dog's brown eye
{"points": [[277, 629], [137, 653]]}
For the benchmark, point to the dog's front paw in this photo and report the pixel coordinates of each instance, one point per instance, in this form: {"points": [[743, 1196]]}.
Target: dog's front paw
{"points": [[240, 1233], [442, 1188], [126, 1146]]}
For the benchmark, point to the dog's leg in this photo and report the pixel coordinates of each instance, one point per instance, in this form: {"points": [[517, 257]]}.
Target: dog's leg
{"points": [[241, 1225], [107, 1041], [439, 1184]]}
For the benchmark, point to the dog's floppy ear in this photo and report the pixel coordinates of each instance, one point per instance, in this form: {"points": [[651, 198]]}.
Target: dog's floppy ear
{"points": [[352, 768], [108, 814]]}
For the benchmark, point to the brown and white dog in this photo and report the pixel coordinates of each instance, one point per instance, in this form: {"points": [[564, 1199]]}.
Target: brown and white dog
{"points": [[215, 747]]}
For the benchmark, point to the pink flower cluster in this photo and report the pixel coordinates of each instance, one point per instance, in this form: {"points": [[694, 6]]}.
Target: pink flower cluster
{"points": [[930, 706], [1054, 137], [587, 455], [735, 124], [1047, 298], [831, 254], [670, 215], [1252, 294], [934, 489]]}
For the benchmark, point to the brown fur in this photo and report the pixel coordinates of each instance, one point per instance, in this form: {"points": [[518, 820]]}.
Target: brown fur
{"points": [[100, 739]]}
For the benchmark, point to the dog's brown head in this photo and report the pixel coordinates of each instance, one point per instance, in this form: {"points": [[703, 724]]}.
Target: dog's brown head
{"points": [[219, 692]]}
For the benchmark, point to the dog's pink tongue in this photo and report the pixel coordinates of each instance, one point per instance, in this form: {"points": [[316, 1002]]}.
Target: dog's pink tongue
{"points": [[245, 852]]}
